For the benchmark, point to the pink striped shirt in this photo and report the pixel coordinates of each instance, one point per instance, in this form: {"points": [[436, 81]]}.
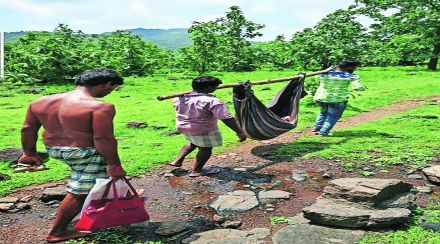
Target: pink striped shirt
{"points": [[197, 113]]}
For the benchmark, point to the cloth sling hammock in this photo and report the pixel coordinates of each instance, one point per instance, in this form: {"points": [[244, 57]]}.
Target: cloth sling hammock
{"points": [[263, 123]]}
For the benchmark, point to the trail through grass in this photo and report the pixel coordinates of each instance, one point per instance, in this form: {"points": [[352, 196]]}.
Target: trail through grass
{"points": [[145, 149]]}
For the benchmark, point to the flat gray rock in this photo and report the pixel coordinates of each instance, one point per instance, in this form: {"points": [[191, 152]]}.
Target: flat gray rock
{"points": [[6, 206], [274, 194], [53, 193], [347, 214], [239, 201], [171, 228], [313, 234], [229, 236], [9, 199], [433, 173], [369, 192]]}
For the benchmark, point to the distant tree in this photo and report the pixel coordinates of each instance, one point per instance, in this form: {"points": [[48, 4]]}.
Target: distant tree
{"points": [[221, 44], [420, 18], [274, 54]]}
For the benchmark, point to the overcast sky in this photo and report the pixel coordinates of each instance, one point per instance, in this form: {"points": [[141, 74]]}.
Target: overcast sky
{"points": [[97, 16]]}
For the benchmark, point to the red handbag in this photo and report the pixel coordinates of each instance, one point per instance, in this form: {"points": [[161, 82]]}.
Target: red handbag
{"points": [[105, 213]]}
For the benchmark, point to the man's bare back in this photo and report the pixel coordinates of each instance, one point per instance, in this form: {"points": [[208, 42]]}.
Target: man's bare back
{"points": [[67, 118]]}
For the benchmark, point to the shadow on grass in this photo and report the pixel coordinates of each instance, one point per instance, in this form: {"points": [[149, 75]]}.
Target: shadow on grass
{"points": [[278, 153]]}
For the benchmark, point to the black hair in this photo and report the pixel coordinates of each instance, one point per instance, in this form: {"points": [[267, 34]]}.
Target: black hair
{"points": [[96, 77], [348, 63], [203, 82]]}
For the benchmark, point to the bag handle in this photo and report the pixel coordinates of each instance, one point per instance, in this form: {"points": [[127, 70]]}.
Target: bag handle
{"points": [[131, 187], [107, 189], [115, 194]]}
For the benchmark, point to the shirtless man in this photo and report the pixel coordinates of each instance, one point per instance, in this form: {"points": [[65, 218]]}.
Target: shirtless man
{"points": [[78, 131]]}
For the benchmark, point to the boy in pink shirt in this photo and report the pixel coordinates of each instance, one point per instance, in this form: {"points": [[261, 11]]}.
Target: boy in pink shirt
{"points": [[196, 117]]}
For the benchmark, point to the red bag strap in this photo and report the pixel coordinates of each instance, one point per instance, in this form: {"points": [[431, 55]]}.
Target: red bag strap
{"points": [[130, 186], [107, 189], [115, 194]]}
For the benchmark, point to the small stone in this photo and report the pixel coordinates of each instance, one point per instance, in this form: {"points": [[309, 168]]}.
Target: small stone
{"points": [[270, 209], [158, 127], [137, 124], [240, 169], [6, 206], [270, 205], [298, 219], [4, 177], [9, 199], [235, 201], [14, 210], [274, 194], [246, 186], [173, 133], [168, 174], [277, 183], [23, 206], [27, 198], [415, 177], [41, 215], [179, 171], [53, 193], [10, 155], [217, 218], [32, 91], [433, 173], [299, 176], [424, 189], [327, 175], [171, 228], [231, 224], [53, 202]]}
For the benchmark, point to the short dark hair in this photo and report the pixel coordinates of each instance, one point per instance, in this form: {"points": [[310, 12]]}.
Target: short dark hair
{"points": [[96, 77], [203, 82], [348, 63]]}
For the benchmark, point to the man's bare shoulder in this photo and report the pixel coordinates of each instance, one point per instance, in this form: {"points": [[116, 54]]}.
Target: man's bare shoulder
{"points": [[49, 98]]}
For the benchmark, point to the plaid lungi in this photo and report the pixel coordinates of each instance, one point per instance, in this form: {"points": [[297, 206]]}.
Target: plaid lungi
{"points": [[210, 139], [86, 164]]}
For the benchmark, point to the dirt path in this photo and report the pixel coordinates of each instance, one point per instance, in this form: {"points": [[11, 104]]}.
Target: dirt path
{"points": [[251, 166]]}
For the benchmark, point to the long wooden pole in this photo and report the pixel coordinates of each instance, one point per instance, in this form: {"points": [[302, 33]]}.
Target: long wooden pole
{"points": [[2, 55], [255, 83]]}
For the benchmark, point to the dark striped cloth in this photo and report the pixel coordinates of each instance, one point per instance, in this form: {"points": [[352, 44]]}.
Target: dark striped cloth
{"points": [[263, 123]]}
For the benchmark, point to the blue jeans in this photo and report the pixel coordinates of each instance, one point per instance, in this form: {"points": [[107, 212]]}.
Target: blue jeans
{"points": [[328, 116]]}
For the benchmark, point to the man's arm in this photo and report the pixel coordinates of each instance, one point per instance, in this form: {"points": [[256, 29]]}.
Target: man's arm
{"points": [[103, 137], [232, 123], [29, 137], [105, 141]]}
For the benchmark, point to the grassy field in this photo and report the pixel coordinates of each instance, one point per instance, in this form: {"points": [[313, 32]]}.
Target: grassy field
{"points": [[395, 140], [145, 149]]}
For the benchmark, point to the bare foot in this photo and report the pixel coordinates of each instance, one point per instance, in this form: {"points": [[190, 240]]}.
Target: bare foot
{"points": [[208, 171], [140, 192], [67, 235], [174, 164]]}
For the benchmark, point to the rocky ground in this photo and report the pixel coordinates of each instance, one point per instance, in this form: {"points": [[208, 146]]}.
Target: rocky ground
{"points": [[236, 205]]}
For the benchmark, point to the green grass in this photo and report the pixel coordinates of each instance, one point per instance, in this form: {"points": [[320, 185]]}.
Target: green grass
{"points": [[414, 235], [394, 140], [145, 149]]}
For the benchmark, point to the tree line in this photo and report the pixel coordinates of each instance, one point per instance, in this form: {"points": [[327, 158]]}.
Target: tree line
{"points": [[402, 33]]}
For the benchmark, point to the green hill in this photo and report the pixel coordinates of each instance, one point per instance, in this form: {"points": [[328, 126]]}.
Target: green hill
{"points": [[170, 39]]}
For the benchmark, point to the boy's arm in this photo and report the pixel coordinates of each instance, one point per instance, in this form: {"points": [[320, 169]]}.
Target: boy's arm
{"points": [[232, 123], [29, 137], [221, 112]]}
